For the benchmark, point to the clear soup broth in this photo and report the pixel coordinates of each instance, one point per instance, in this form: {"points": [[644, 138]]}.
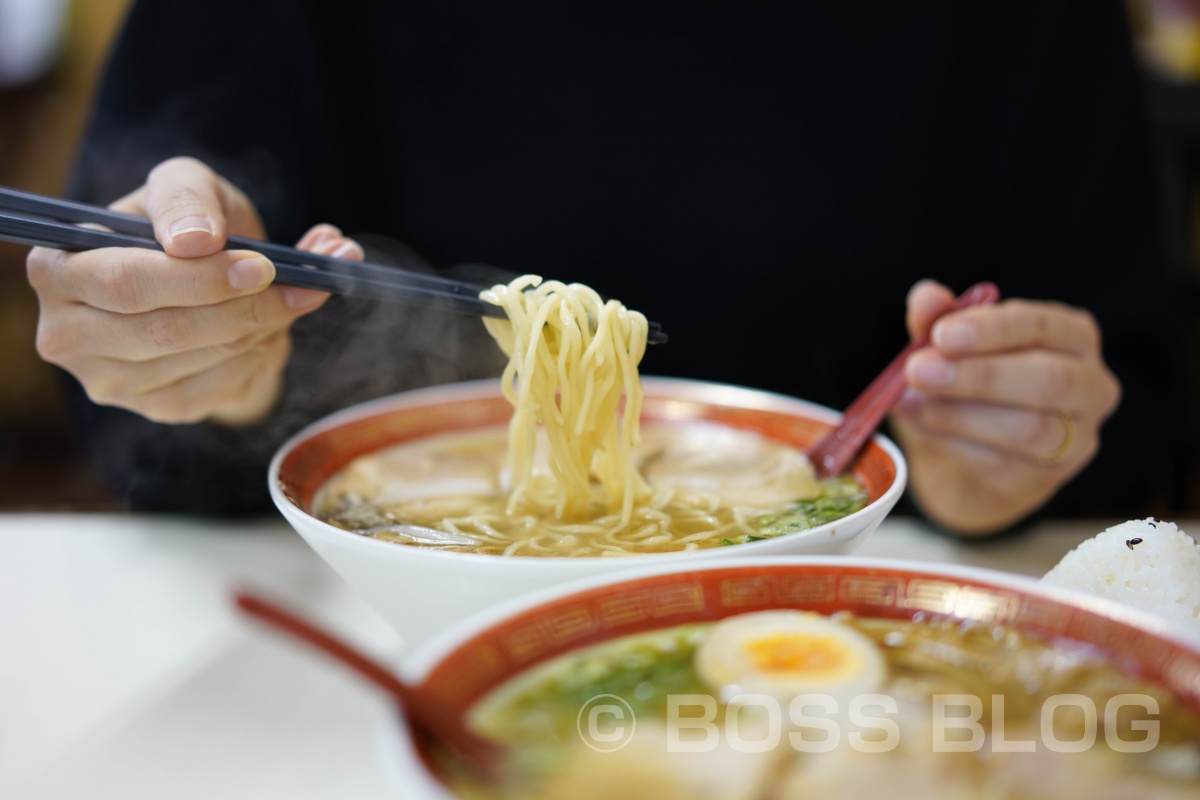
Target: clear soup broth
{"points": [[710, 486]]}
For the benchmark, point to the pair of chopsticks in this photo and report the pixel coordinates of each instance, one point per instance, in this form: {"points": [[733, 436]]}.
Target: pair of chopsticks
{"points": [[40, 221]]}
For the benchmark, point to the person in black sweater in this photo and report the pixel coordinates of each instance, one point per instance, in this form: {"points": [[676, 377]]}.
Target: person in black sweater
{"points": [[770, 181]]}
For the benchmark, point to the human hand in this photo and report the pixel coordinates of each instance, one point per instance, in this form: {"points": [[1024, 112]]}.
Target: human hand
{"points": [[194, 333], [1002, 409]]}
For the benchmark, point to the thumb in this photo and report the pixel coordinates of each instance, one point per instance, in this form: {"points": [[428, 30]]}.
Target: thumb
{"points": [[183, 201]]}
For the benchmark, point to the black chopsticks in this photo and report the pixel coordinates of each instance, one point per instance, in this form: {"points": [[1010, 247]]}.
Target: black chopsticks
{"points": [[64, 236], [40, 221]]}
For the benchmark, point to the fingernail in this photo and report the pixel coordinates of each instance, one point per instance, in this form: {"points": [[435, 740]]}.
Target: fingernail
{"points": [[919, 285], [344, 249], [325, 235], [299, 299], [249, 273], [189, 225], [934, 372], [955, 335]]}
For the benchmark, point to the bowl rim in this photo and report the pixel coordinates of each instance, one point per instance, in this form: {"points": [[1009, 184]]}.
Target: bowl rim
{"points": [[727, 394], [417, 664]]}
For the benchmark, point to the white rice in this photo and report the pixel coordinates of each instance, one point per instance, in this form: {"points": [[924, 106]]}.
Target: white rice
{"points": [[1160, 574]]}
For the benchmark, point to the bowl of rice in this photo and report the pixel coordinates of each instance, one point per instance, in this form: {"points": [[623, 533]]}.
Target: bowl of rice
{"points": [[1149, 564]]}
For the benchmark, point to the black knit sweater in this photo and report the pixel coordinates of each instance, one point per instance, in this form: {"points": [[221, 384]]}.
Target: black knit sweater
{"points": [[767, 179]]}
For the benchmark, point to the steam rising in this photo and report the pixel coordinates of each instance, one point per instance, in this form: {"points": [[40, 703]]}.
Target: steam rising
{"points": [[352, 350], [348, 351]]}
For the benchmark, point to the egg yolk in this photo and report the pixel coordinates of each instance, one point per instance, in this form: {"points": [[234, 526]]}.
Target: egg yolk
{"points": [[798, 653]]}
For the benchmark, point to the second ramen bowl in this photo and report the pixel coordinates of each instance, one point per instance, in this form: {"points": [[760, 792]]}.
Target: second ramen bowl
{"points": [[420, 591], [513, 640]]}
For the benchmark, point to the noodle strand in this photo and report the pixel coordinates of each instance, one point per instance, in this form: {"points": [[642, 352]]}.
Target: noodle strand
{"points": [[573, 359]]}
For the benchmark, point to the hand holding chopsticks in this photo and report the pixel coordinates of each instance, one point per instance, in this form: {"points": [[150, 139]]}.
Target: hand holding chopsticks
{"points": [[178, 334], [183, 323]]}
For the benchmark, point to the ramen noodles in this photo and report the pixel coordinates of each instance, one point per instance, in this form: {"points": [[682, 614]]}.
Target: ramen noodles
{"points": [[573, 358]]}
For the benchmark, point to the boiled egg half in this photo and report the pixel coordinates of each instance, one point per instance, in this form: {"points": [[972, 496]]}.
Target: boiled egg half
{"points": [[788, 653]]}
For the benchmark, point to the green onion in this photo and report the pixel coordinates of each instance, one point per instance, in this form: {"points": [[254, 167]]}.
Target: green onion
{"points": [[839, 497]]}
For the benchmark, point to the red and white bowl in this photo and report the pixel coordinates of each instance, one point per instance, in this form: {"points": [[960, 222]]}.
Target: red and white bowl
{"points": [[471, 659], [421, 591]]}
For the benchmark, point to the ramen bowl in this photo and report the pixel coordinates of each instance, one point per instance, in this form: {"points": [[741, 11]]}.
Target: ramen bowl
{"points": [[419, 591], [468, 661]]}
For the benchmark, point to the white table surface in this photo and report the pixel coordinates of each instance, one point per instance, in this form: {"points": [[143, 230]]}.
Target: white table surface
{"points": [[125, 673]]}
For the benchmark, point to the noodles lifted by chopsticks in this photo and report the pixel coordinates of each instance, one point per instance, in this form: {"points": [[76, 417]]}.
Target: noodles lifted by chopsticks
{"points": [[572, 357]]}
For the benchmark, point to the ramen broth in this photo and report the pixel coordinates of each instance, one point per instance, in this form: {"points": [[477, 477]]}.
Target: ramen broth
{"points": [[538, 715], [709, 486]]}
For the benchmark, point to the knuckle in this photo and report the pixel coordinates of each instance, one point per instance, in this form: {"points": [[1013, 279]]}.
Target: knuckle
{"points": [[1091, 329], [237, 346], [983, 376], [262, 310], [1058, 379], [1041, 431], [167, 408], [114, 287], [95, 396], [72, 274], [182, 201], [105, 391], [53, 343], [156, 411], [1028, 322], [191, 411], [40, 267], [1110, 393], [1041, 316], [1015, 317], [57, 267], [165, 331]]}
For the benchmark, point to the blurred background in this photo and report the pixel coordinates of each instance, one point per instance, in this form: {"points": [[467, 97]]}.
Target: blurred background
{"points": [[51, 55]]}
